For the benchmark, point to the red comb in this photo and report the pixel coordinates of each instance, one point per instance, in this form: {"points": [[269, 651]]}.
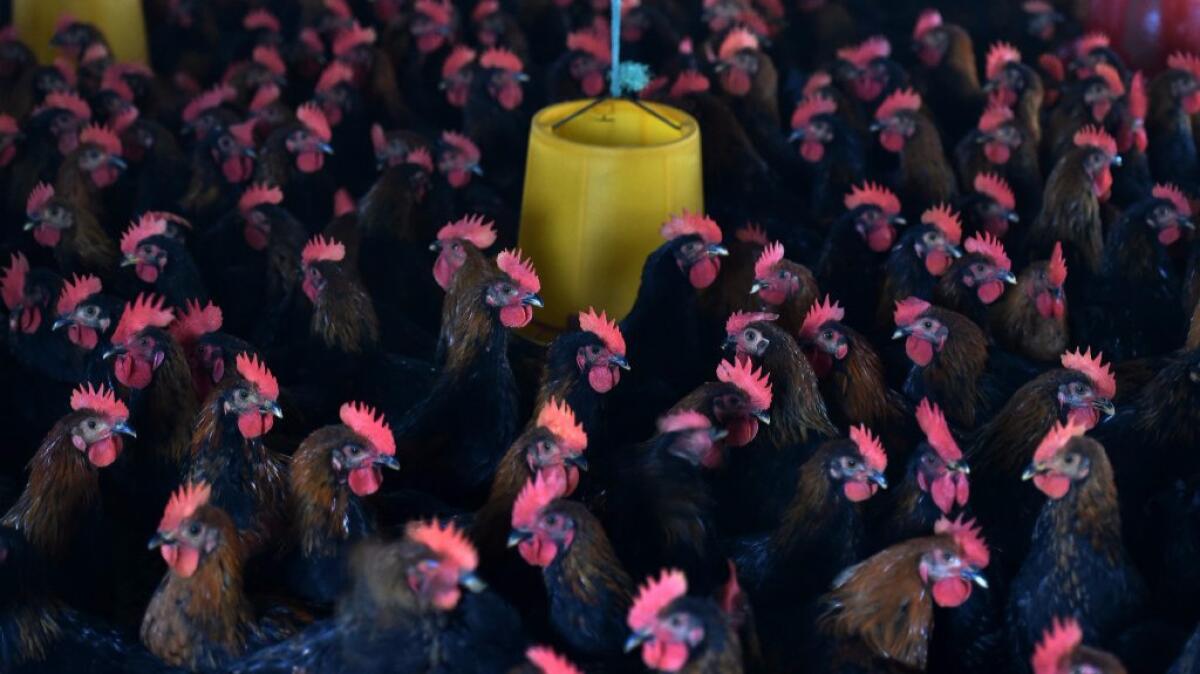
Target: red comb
{"points": [[321, 249], [447, 542], [363, 420], [927, 21], [269, 58], [739, 320], [752, 233], [604, 328], [183, 504], [899, 101], [810, 107], [986, 244], [737, 40], [937, 432], [334, 74], [483, 9], [1174, 195], [255, 371], [102, 136], [872, 194], [520, 271], [817, 81], [150, 224], [819, 314], [770, 256], [38, 196], [689, 82], [1056, 272], [99, 399], [264, 96], [461, 57], [1037, 7], [420, 157], [501, 59], [590, 42], [1112, 79], [258, 194], [463, 145], [946, 220], [868, 50], [1092, 41], [1053, 66], [996, 188], [994, 117], [537, 493], [692, 224], [343, 202], [312, 117], [469, 228], [1056, 439], [78, 289], [338, 8], [908, 310], [195, 321], [869, 447], [654, 596], [212, 98], [999, 55], [12, 285], [1139, 104], [8, 125], [95, 52], [1185, 61], [1058, 643], [69, 101], [687, 420], [968, 537], [753, 382], [351, 38], [1094, 368], [310, 38], [113, 81], [261, 18], [558, 418], [439, 12], [549, 662]]}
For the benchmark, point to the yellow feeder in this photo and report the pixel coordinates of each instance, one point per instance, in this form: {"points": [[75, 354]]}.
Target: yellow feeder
{"points": [[120, 21], [597, 189]]}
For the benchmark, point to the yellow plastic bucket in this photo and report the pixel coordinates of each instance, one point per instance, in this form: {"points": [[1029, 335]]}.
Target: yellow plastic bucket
{"points": [[597, 189], [120, 20]]}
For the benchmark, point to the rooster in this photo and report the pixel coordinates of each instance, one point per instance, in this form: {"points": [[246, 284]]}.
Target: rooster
{"points": [[89, 169], [331, 474], [211, 354], [89, 317], [1002, 148], [990, 207]]}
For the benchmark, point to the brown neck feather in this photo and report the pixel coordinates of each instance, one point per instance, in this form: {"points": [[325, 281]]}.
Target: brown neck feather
{"points": [[956, 370], [797, 409], [319, 500], [960, 55], [61, 486], [1070, 211], [1016, 321], [1005, 445], [90, 243], [858, 384], [344, 317], [467, 321], [591, 564], [1090, 509], [809, 507], [171, 403], [923, 163]]}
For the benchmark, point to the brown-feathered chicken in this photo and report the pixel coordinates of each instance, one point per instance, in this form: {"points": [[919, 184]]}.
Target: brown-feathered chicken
{"points": [[90, 168], [948, 77], [678, 633], [79, 243], [949, 357], [1061, 651], [784, 287], [923, 177], [976, 280], [1174, 101], [1002, 146]]}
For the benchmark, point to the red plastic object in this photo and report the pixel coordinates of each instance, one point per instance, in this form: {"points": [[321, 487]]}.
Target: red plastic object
{"points": [[1144, 32]]}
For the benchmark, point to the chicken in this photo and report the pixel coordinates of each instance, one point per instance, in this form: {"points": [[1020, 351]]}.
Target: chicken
{"points": [[1174, 99], [1032, 321], [678, 632], [95, 164], [924, 254], [1061, 650], [581, 71], [923, 177], [949, 358], [329, 478], [784, 287], [866, 74], [79, 243], [493, 116], [856, 243], [1077, 535], [832, 152], [294, 159], [975, 281], [1096, 100], [89, 317], [1002, 147], [990, 207], [160, 263], [200, 617], [947, 58], [588, 588]]}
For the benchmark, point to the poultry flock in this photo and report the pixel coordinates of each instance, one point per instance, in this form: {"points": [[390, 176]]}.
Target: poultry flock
{"points": [[919, 390]]}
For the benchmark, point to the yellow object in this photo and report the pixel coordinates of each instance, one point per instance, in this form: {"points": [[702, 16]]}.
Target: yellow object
{"points": [[597, 190], [120, 20]]}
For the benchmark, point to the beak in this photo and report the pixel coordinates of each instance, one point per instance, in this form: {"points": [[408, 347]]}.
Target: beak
{"points": [[1008, 277], [158, 540], [620, 362], [718, 433], [798, 134], [900, 333], [1186, 223], [578, 461], [976, 577], [989, 86], [129, 260], [959, 467], [634, 641], [114, 351], [249, 152], [522, 77], [955, 251], [325, 148], [30, 225], [878, 478], [1105, 405], [758, 285], [762, 416], [387, 461], [274, 409], [899, 220], [435, 247], [876, 126], [118, 162], [515, 538], [61, 323], [1013, 217], [717, 250], [472, 582], [477, 169], [1116, 160], [533, 300], [1032, 471], [124, 429]]}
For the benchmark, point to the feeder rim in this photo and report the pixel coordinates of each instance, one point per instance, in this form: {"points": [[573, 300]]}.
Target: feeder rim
{"points": [[544, 121]]}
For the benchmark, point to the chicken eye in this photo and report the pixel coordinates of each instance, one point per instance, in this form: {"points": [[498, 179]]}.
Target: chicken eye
{"points": [[751, 336], [1071, 459], [91, 311], [240, 394], [146, 342], [194, 529], [851, 462], [928, 458], [552, 520], [783, 275], [456, 247], [928, 325], [91, 424], [354, 450]]}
